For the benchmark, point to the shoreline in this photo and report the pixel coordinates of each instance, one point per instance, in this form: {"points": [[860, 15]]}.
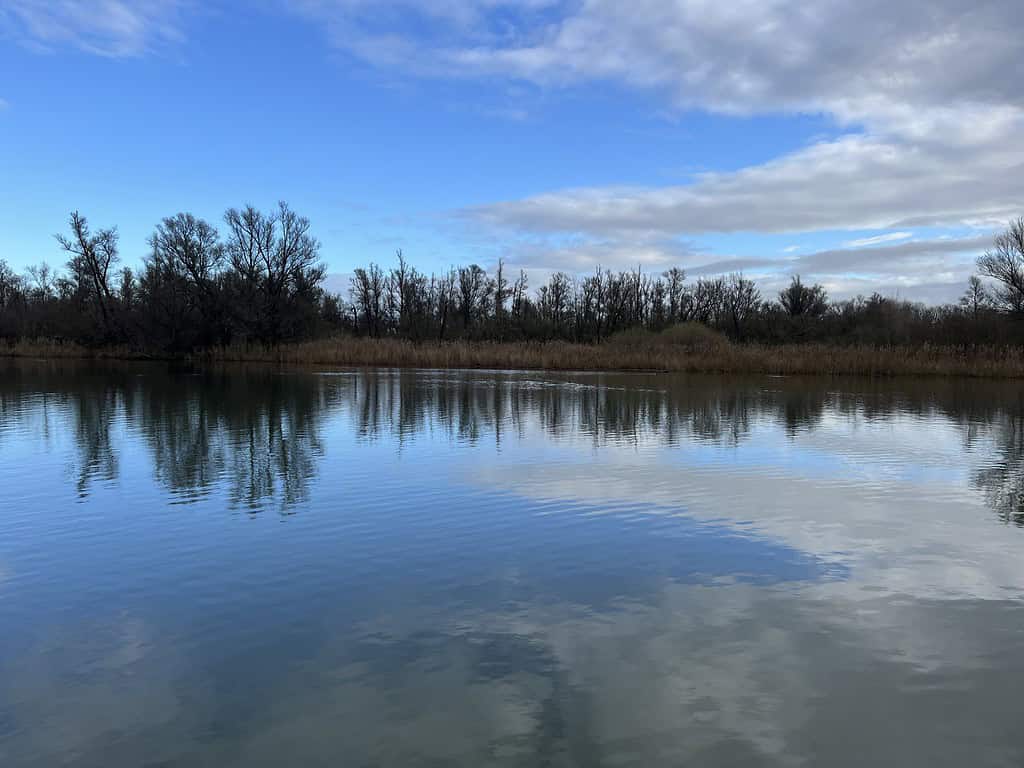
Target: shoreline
{"points": [[625, 355]]}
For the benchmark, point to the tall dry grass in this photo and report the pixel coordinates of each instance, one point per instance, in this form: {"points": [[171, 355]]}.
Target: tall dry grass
{"points": [[689, 349]]}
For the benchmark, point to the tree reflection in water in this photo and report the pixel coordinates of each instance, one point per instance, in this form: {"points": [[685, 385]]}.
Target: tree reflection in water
{"points": [[257, 432]]}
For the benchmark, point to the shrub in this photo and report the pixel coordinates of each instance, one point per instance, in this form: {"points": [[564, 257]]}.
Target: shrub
{"points": [[694, 337], [633, 338]]}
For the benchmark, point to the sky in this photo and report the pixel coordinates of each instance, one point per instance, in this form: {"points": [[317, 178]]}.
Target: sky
{"points": [[870, 146]]}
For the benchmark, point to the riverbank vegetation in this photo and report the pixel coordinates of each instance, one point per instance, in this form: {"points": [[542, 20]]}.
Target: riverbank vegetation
{"points": [[255, 291], [630, 351]]}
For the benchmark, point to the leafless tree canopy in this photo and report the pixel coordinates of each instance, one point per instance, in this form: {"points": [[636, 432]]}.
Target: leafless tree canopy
{"points": [[91, 257], [800, 300], [1004, 263], [260, 280], [977, 298]]}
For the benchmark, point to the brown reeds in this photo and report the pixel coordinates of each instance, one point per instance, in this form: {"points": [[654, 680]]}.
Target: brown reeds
{"points": [[689, 351]]}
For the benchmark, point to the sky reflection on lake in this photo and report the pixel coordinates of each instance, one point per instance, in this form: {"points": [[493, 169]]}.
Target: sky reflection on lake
{"points": [[249, 567]]}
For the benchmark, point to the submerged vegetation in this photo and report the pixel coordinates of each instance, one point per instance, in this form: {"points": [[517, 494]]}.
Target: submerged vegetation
{"points": [[256, 293]]}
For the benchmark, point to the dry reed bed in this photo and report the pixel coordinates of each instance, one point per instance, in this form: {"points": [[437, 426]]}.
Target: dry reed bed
{"points": [[633, 354]]}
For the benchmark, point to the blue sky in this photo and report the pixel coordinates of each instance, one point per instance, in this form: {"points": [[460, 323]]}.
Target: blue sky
{"points": [[848, 144]]}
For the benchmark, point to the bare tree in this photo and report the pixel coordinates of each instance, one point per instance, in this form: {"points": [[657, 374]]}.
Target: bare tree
{"points": [[554, 300], [127, 291], [191, 247], [188, 249], [741, 302], [800, 300], [1004, 263], [474, 293], [41, 280], [409, 299], [9, 284], [367, 291], [445, 302], [400, 286], [501, 291], [708, 300], [675, 289], [249, 242], [519, 294], [92, 256], [293, 273], [276, 263], [976, 298]]}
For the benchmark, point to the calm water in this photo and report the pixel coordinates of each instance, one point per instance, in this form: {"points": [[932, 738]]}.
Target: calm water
{"points": [[250, 568]]}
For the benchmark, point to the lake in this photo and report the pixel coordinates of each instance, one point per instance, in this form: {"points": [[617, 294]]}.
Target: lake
{"points": [[248, 567]]}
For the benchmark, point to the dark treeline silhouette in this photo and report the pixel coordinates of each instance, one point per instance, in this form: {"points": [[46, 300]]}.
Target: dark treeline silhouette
{"points": [[260, 280], [469, 303]]}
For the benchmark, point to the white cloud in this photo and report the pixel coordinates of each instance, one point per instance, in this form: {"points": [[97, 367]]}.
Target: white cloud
{"points": [[854, 182], [878, 61], [877, 239], [893, 259], [114, 28], [576, 255], [928, 89], [932, 271]]}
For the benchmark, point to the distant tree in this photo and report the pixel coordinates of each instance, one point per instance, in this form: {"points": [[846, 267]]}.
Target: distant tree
{"points": [[294, 273], [92, 257], [41, 280], [474, 294], [976, 298], [184, 277], [708, 300], [675, 290], [501, 291], [190, 247], [445, 302], [800, 300], [519, 294], [401, 293], [9, 284], [332, 310], [1004, 263], [554, 300], [127, 292], [277, 271], [657, 312], [741, 301], [368, 296], [11, 290]]}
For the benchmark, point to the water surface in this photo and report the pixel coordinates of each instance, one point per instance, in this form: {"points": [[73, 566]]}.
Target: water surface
{"points": [[419, 568]]}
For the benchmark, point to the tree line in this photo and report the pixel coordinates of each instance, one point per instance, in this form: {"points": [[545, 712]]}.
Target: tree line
{"points": [[260, 280]]}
